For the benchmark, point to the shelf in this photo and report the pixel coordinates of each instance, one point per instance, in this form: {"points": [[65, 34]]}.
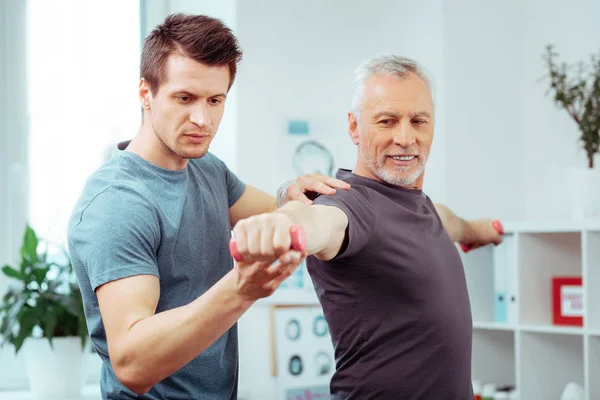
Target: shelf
{"points": [[561, 330], [541, 226], [548, 362], [493, 326], [479, 273], [594, 367], [592, 283], [539, 356], [541, 257], [494, 357]]}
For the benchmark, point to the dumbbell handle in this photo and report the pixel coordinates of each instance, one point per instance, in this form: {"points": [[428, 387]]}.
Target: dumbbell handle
{"points": [[497, 226], [298, 242]]}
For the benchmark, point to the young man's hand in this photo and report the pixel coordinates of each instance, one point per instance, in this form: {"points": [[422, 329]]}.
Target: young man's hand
{"points": [[258, 279], [264, 243], [304, 188]]}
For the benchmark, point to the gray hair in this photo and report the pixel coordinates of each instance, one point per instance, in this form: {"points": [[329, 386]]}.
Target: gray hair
{"points": [[386, 65]]}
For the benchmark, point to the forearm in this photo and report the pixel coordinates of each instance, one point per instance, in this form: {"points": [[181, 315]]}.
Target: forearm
{"points": [[457, 228], [324, 226], [157, 346]]}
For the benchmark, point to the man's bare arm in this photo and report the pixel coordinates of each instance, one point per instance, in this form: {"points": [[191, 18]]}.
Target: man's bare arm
{"points": [[325, 227], [145, 347], [457, 228], [474, 234]]}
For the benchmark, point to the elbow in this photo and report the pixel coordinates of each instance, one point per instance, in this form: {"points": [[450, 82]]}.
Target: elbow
{"points": [[131, 377]]}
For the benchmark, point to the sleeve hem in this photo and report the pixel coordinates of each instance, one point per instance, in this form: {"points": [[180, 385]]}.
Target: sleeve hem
{"points": [[113, 275]]}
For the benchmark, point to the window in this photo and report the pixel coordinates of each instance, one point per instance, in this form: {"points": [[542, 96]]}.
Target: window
{"points": [[83, 71], [83, 68]]}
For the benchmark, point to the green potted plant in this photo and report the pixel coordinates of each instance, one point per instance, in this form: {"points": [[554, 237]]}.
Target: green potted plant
{"points": [[576, 89], [42, 315]]}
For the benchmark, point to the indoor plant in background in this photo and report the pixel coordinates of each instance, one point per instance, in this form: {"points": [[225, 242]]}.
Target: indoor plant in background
{"points": [[576, 89], [42, 315]]}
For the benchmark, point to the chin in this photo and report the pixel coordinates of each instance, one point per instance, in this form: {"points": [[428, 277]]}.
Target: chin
{"points": [[396, 178], [192, 152]]}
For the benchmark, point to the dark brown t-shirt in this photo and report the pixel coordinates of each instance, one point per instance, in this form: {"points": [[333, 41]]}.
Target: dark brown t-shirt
{"points": [[395, 298]]}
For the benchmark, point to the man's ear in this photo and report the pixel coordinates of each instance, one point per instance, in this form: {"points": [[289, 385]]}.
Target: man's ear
{"points": [[353, 128], [145, 94]]}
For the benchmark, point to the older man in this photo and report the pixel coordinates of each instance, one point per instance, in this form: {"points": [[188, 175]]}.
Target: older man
{"points": [[384, 261]]}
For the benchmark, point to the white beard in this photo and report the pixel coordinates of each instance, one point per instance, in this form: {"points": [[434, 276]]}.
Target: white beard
{"points": [[397, 176]]}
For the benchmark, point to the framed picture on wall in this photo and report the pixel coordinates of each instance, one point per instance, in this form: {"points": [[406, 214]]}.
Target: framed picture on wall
{"points": [[302, 353]]}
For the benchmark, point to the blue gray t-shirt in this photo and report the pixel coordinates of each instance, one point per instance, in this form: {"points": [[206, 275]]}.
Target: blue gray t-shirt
{"points": [[137, 218]]}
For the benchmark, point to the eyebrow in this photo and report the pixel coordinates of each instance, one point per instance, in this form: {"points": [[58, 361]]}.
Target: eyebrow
{"points": [[224, 95], [392, 114]]}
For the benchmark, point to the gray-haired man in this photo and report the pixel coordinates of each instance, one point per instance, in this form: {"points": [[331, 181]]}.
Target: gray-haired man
{"points": [[384, 261]]}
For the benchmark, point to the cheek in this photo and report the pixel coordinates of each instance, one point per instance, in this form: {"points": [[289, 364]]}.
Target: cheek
{"points": [[216, 114], [378, 140]]}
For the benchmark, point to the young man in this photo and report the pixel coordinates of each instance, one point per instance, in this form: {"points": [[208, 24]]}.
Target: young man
{"points": [[385, 265], [149, 236]]}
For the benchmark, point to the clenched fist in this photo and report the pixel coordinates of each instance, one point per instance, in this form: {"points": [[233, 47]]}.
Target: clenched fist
{"points": [[264, 244]]}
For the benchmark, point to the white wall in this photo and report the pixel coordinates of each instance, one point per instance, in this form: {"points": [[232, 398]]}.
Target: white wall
{"points": [[508, 146], [13, 156], [484, 107], [551, 137]]}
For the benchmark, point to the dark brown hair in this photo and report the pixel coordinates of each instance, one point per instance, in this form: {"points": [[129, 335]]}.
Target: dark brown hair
{"points": [[202, 38]]}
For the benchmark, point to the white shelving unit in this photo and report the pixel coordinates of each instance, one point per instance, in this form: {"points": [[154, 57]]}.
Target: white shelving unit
{"points": [[529, 351]]}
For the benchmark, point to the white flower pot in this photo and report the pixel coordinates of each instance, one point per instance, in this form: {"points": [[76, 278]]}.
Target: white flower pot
{"points": [[57, 373], [583, 192]]}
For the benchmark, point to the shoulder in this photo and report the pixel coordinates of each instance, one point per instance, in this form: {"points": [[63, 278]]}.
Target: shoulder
{"points": [[115, 203], [112, 193], [356, 195]]}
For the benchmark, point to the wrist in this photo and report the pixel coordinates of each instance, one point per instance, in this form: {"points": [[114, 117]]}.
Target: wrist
{"points": [[240, 300], [467, 232], [282, 192]]}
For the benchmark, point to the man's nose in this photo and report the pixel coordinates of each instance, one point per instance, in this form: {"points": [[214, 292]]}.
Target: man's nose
{"points": [[199, 115], [404, 136]]}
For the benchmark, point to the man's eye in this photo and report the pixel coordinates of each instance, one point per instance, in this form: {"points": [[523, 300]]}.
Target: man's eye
{"points": [[183, 99], [215, 101], [419, 121], [386, 122]]}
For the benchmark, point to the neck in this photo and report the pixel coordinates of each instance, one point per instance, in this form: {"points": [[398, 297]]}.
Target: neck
{"points": [[151, 148]]}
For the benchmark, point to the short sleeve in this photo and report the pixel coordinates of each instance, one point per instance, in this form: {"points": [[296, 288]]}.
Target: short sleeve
{"points": [[235, 187], [356, 204], [116, 236]]}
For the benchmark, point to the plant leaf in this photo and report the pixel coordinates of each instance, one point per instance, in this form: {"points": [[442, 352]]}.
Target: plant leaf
{"points": [[53, 285], [27, 323], [50, 323], [40, 274], [13, 273], [68, 302], [10, 319], [30, 244]]}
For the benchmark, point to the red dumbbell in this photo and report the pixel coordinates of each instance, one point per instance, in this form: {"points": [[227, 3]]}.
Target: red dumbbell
{"points": [[497, 226], [298, 242]]}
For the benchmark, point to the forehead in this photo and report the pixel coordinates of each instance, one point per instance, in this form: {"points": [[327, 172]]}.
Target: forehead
{"points": [[184, 73], [392, 93]]}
